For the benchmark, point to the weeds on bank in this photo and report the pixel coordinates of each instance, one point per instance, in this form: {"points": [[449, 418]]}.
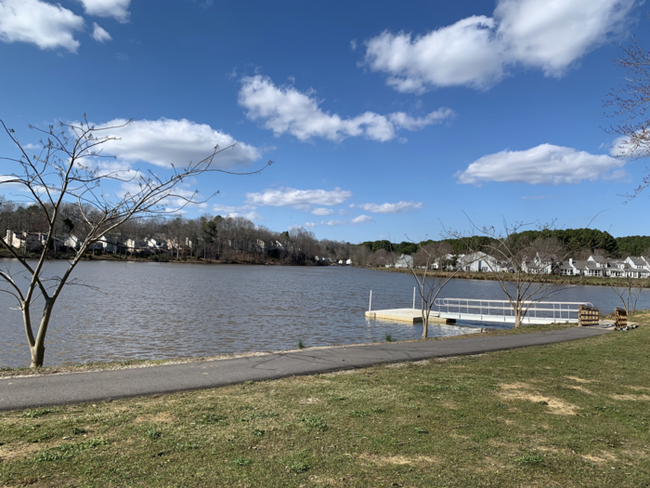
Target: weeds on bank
{"points": [[575, 414]]}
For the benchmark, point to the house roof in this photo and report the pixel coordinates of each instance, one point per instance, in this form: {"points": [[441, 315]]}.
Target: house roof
{"points": [[637, 261]]}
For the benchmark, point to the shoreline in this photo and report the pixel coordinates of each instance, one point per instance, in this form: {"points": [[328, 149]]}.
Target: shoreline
{"points": [[25, 372], [547, 279], [465, 275]]}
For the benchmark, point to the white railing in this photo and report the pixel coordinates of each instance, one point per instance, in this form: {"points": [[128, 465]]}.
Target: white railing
{"points": [[502, 311]]}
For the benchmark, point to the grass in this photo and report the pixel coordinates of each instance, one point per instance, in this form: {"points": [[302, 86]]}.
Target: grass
{"points": [[574, 414]]}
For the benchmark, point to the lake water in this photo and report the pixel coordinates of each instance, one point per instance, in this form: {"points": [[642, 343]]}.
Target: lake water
{"points": [[159, 311]]}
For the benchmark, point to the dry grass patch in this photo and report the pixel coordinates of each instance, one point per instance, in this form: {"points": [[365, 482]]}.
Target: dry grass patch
{"points": [[399, 460], [396, 365], [19, 451], [639, 388], [309, 401], [578, 380], [159, 418], [523, 391], [634, 398], [581, 389], [601, 458]]}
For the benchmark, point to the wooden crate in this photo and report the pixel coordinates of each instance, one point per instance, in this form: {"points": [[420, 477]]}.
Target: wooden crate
{"points": [[588, 315]]}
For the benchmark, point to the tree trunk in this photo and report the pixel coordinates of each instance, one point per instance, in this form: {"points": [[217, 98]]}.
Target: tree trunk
{"points": [[517, 317], [38, 354]]}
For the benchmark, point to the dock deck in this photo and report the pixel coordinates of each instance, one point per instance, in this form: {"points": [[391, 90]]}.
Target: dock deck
{"points": [[408, 315]]}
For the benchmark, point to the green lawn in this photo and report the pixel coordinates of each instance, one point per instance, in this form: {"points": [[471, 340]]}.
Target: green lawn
{"points": [[571, 414]]}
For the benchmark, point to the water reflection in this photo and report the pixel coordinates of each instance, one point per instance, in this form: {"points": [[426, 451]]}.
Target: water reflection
{"points": [[157, 311]]}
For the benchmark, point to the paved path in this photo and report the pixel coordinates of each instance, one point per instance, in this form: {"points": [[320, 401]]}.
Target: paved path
{"points": [[49, 390]]}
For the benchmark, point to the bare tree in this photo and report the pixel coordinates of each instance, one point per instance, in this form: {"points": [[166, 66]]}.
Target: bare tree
{"points": [[63, 174], [630, 102], [379, 258], [630, 292], [522, 265], [429, 257]]}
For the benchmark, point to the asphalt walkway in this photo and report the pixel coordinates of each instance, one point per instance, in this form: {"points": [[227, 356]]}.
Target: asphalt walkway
{"points": [[63, 389]]}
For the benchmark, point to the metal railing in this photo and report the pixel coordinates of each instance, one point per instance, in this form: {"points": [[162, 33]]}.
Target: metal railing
{"points": [[502, 311]]}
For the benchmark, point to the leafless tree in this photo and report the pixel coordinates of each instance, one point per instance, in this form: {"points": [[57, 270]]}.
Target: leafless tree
{"points": [[630, 292], [630, 103], [63, 172], [379, 258], [430, 257], [521, 265]]}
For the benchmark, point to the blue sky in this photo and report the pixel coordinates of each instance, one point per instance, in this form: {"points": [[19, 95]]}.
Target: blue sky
{"points": [[384, 121]]}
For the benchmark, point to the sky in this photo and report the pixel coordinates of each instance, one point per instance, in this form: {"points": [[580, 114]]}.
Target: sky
{"points": [[383, 121]]}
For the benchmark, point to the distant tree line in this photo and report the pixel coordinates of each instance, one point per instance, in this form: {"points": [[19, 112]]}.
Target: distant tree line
{"points": [[228, 239], [237, 239], [579, 243]]}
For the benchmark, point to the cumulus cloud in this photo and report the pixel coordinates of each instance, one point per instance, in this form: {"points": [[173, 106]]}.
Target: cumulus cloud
{"points": [[164, 142], [322, 211], [544, 164], [231, 208], [286, 109], [118, 9], [99, 34], [361, 219], [289, 197], [633, 146], [388, 208], [230, 211], [477, 51], [45, 25]]}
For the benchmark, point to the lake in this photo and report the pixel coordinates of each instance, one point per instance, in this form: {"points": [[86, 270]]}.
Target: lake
{"points": [[161, 311]]}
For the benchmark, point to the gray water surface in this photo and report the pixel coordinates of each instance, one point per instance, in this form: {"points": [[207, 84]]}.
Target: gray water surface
{"points": [[161, 311]]}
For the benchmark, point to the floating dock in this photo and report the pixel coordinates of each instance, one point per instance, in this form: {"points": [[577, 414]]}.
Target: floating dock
{"points": [[408, 315]]}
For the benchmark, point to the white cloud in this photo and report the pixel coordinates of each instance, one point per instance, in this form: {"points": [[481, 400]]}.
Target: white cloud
{"points": [[286, 109], [362, 219], [48, 26], [634, 146], [245, 211], [232, 209], [284, 197], [164, 142], [477, 51], [99, 34], [388, 207], [118, 9], [461, 54], [553, 34], [544, 164], [332, 223], [252, 216], [322, 211]]}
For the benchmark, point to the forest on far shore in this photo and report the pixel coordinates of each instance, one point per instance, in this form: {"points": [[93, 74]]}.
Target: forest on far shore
{"points": [[237, 239], [580, 243]]}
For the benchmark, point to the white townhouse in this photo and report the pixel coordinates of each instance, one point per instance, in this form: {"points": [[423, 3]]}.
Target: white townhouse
{"points": [[155, 244], [479, 262], [29, 241], [638, 267], [404, 261]]}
